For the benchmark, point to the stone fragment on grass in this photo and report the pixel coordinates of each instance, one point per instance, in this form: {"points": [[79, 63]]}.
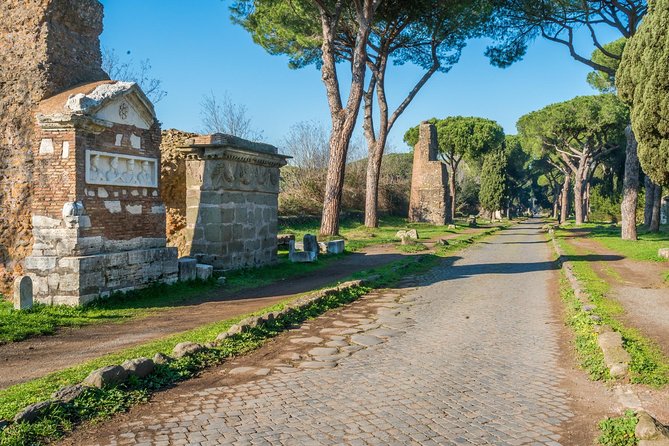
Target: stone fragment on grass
{"points": [[409, 234], [222, 336], [204, 272], [106, 376], [3, 425], [140, 367], [34, 411], [615, 356], [663, 252], [187, 269], [186, 349], [69, 393], [160, 358], [650, 431]]}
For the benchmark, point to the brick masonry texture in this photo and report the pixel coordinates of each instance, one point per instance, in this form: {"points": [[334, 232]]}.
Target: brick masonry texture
{"points": [[46, 46], [476, 364], [429, 192]]}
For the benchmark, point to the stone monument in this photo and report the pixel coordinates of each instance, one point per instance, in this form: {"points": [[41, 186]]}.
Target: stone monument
{"points": [[98, 219], [23, 293], [232, 188], [429, 192]]}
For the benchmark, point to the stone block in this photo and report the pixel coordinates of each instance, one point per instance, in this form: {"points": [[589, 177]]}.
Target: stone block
{"points": [[187, 269], [34, 411], [185, 349], [69, 393], [204, 272], [310, 243], [40, 263], [302, 256], [335, 247], [139, 367], [106, 376], [663, 252], [409, 234], [23, 293]]}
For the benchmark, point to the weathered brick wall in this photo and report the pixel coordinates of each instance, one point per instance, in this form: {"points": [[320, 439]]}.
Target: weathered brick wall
{"points": [[429, 194], [173, 186], [46, 46]]}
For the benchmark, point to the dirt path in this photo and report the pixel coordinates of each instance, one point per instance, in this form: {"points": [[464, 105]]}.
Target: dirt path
{"points": [[36, 357], [638, 286], [453, 362]]}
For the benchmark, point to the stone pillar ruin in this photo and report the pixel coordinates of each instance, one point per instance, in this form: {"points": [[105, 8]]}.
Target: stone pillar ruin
{"points": [[46, 46], [429, 182], [232, 188], [97, 216]]}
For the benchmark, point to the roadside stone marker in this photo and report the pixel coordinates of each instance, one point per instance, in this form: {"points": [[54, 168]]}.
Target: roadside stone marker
{"points": [[310, 243], [23, 293]]}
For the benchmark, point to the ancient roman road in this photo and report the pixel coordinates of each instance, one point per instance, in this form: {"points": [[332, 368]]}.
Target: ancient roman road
{"points": [[468, 355]]}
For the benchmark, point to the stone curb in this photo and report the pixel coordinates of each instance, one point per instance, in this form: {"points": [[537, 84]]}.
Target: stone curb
{"points": [[142, 367], [648, 431], [617, 359]]}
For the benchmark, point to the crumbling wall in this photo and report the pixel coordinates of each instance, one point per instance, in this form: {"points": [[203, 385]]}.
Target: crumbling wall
{"points": [[46, 46], [429, 195], [173, 186]]}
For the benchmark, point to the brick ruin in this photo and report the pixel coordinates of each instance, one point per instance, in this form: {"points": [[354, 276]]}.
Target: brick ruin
{"points": [[103, 228], [429, 192], [46, 46]]}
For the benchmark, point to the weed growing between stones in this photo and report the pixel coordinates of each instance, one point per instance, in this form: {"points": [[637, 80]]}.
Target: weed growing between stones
{"points": [[589, 354], [648, 364], [619, 431]]}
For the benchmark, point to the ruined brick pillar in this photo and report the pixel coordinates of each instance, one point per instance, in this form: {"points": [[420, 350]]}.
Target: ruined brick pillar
{"points": [[429, 182], [46, 46]]}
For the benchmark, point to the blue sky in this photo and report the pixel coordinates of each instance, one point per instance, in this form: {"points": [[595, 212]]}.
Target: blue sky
{"points": [[194, 48]]}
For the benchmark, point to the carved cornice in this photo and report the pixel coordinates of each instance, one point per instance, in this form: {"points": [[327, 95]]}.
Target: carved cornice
{"points": [[231, 154]]}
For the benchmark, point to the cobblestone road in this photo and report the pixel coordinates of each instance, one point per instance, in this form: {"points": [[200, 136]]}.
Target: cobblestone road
{"points": [[472, 358]]}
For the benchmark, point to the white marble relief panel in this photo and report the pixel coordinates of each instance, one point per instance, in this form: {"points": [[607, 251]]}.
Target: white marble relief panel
{"points": [[115, 169]]}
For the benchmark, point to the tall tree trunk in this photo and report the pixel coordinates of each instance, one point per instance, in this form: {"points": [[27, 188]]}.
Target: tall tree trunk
{"points": [[375, 157], [630, 188], [586, 202], [556, 203], [649, 187], [564, 211], [343, 118], [578, 200], [451, 186], [657, 209]]}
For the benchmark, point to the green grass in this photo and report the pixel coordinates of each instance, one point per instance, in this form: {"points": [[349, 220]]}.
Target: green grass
{"points": [[645, 248], [358, 236], [45, 319], [648, 364], [412, 247], [619, 431], [589, 354]]}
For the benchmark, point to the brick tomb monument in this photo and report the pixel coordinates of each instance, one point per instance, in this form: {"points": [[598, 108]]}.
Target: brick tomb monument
{"points": [[429, 194], [98, 219], [232, 188]]}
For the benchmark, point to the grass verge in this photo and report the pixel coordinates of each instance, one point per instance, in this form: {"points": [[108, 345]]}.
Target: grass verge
{"points": [[619, 431], [648, 364], [589, 354], [98, 404]]}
